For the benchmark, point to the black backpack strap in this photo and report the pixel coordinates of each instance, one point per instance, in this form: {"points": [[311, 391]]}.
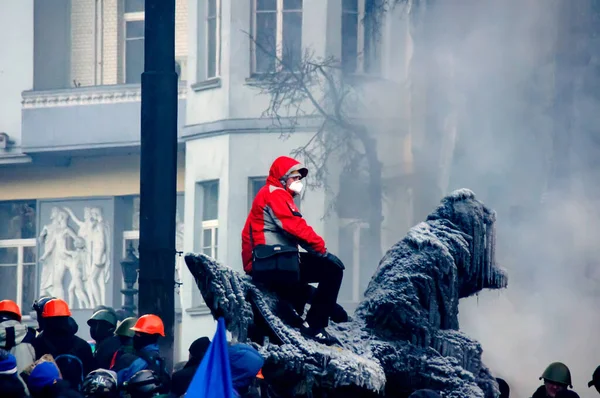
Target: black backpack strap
{"points": [[156, 363], [30, 336], [10, 338]]}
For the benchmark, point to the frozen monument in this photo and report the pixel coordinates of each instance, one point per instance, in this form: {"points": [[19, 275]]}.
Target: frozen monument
{"points": [[404, 336]]}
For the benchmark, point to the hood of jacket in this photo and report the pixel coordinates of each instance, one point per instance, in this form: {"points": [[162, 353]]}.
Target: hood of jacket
{"points": [[19, 328], [283, 166], [245, 362]]}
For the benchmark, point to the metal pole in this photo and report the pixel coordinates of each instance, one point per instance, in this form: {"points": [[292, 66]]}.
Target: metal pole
{"points": [[158, 169]]}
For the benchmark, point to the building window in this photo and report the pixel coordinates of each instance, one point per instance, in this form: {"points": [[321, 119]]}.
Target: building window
{"points": [[134, 41], [18, 252], [359, 40], [213, 38], [131, 236], [254, 185], [210, 218], [277, 34], [352, 251]]}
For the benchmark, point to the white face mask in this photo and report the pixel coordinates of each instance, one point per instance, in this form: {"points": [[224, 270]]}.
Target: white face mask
{"points": [[296, 186]]}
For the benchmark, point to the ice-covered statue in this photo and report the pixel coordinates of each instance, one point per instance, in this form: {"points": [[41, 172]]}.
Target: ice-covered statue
{"points": [[403, 336]]}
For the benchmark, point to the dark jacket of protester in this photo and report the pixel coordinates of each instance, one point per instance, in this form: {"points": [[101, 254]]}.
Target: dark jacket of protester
{"points": [[181, 379], [105, 351], [59, 338], [11, 385], [148, 330]]}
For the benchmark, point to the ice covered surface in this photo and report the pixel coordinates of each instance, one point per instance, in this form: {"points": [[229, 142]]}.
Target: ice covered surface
{"points": [[404, 335]]}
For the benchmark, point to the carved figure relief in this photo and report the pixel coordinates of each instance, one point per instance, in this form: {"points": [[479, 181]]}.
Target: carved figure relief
{"points": [[85, 254]]}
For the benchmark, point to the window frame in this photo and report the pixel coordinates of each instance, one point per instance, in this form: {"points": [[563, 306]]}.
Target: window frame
{"points": [[20, 245], [279, 11], [357, 225], [127, 236], [217, 18], [360, 38], [212, 226], [139, 16], [251, 181]]}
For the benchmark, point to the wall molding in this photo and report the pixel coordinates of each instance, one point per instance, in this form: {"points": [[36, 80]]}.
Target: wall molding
{"points": [[92, 95]]}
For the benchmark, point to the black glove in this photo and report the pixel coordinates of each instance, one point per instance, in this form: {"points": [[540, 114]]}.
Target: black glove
{"points": [[335, 260]]}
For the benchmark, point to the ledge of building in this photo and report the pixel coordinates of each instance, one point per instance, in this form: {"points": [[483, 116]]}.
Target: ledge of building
{"points": [[200, 310], [8, 158], [90, 95], [208, 84], [251, 125]]}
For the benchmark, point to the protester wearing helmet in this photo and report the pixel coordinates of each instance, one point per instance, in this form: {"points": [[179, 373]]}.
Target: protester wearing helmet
{"points": [[145, 384], [557, 377], [100, 383], [102, 328], [595, 379], [148, 329], [125, 336], [270, 238], [14, 336], [72, 354], [38, 307]]}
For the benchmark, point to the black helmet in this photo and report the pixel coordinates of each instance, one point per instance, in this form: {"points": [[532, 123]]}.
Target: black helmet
{"points": [[38, 305], [100, 383], [144, 383]]}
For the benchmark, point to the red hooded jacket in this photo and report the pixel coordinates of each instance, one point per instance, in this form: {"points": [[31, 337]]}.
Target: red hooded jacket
{"points": [[274, 218]]}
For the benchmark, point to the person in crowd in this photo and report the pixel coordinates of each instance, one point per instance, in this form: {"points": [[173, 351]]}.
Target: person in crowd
{"points": [[72, 354], [504, 388], [125, 336], [181, 379], [148, 329], [100, 383], [145, 384], [595, 380], [11, 385], [424, 394], [45, 382], [102, 329], [557, 377], [15, 336], [273, 230], [245, 363], [38, 307]]}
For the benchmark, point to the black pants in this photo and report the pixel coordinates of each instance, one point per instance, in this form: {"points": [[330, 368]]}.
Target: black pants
{"points": [[314, 269]]}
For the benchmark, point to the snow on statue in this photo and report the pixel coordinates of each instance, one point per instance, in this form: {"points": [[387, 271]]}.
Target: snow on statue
{"points": [[405, 334]]}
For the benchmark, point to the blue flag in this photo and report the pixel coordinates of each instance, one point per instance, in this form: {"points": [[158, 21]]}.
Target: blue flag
{"points": [[213, 377]]}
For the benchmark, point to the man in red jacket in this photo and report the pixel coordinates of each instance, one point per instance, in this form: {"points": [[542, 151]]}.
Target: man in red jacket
{"points": [[275, 220]]}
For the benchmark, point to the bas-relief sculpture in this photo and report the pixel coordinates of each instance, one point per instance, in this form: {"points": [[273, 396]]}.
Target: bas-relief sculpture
{"points": [[85, 254]]}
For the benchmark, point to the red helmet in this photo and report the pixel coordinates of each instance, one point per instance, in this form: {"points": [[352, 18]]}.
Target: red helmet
{"points": [[56, 307], [10, 307], [149, 324]]}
